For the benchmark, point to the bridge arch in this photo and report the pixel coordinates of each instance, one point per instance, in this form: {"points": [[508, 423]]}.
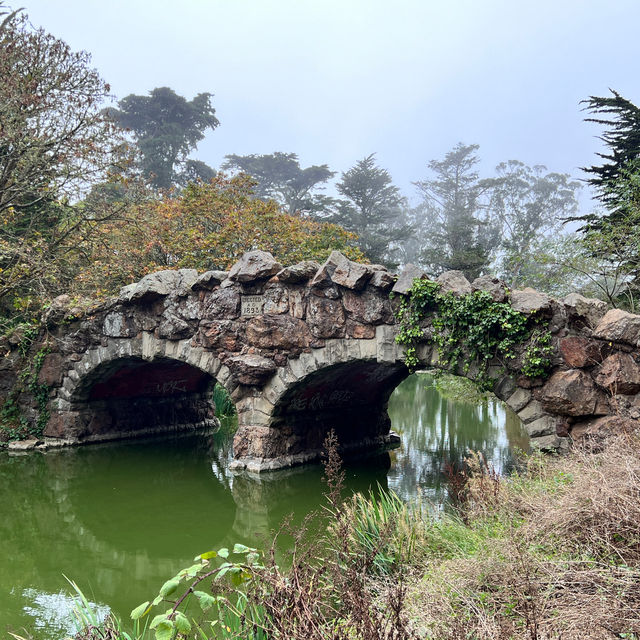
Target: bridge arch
{"points": [[135, 386], [346, 386]]}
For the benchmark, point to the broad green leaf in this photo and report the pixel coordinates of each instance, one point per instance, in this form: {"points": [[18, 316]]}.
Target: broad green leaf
{"points": [[191, 571], [182, 623], [236, 578], [156, 601], [206, 600], [140, 610], [207, 556], [169, 587], [157, 620], [164, 631], [223, 553], [240, 548]]}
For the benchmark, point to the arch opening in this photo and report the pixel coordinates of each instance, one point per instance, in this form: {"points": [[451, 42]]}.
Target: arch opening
{"points": [[129, 397], [349, 398]]}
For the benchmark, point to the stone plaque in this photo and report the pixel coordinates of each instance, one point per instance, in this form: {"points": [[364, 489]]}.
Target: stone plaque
{"points": [[251, 305]]}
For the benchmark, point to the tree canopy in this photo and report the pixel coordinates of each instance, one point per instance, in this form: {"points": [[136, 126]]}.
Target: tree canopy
{"points": [[621, 121], [207, 226], [55, 141], [371, 208], [456, 231], [279, 176], [167, 128], [526, 203]]}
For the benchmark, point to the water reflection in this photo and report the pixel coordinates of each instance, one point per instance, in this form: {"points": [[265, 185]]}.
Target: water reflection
{"points": [[436, 430], [55, 610], [120, 518]]}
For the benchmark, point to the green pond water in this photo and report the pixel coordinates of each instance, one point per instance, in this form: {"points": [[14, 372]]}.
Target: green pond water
{"points": [[121, 518]]}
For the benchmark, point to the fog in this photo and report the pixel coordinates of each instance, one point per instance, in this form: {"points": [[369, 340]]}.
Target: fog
{"points": [[335, 80]]}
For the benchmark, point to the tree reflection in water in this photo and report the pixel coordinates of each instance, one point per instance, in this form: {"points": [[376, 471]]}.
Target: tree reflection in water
{"points": [[436, 430]]}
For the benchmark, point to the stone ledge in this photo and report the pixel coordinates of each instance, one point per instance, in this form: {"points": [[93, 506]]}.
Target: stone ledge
{"points": [[260, 465]]}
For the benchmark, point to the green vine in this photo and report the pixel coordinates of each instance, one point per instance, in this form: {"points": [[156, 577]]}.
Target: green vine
{"points": [[473, 326], [537, 357], [16, 425]]}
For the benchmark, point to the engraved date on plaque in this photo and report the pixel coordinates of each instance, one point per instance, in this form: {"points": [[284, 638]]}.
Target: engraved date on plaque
{"points": [[251, 305]]}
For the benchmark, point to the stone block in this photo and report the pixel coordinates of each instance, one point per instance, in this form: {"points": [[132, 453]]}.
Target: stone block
{"points": [[274, 390], [325, 317], [504, 387], [360, 331], [368, 349], [619, 326], [570, 393], [52, 371], [424, 352], [519, 399], [208, 280], [298, 273], [531, 412], [278, 332], [454, 282], [544, 426], [251, 369], [619, 373], [530, 301], [580, 351], [382, 279], [589, 309], [343, 272], [254, 265], [223, 375], [551, 443], [495, 287], [599, 428], [405, 279]]}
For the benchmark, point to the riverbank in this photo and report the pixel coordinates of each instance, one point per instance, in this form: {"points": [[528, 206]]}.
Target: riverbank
{"points": [[551, 552]]}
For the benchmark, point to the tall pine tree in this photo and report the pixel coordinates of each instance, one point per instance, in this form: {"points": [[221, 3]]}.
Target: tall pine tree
{"points": [[372, 208], [621, 120], [455, 231]]}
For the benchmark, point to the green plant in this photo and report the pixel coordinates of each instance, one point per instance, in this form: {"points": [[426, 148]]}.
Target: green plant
{"points": [[29, 333], [458, 389], [537, 357], [412, 309], [14, 424], [380, 528], [223, 402], [228, 612], [472, 328]]}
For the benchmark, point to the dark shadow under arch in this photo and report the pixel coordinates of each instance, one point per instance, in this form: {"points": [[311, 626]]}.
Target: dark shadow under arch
{"points": [[349, 398], [129, 396]]}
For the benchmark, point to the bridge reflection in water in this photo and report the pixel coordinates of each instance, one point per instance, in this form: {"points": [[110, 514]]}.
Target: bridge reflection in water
{"points": [[120, 518]]}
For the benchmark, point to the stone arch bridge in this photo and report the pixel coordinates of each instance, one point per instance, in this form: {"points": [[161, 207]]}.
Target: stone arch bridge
{"points": [[301, 350]]}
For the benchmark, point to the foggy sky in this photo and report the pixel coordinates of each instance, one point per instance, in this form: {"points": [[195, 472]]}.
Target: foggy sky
{"points": [[335, 80]]}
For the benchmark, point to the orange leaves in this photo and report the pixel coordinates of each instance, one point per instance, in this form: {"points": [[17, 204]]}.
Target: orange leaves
{"points": [[208, 227]]}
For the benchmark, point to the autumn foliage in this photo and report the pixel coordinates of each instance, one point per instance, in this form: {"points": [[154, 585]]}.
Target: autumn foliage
{"points": [[207, 226]]}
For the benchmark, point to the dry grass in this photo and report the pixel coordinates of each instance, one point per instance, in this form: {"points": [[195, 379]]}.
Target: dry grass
{"points": [[561, 559]]}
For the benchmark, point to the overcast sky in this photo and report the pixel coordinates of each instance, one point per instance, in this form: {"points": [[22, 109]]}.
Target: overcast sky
{"points": [[336, 80]]}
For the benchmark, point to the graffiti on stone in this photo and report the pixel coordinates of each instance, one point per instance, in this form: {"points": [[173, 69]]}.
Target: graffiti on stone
{"points": [[298, 404], [171, 386]]}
